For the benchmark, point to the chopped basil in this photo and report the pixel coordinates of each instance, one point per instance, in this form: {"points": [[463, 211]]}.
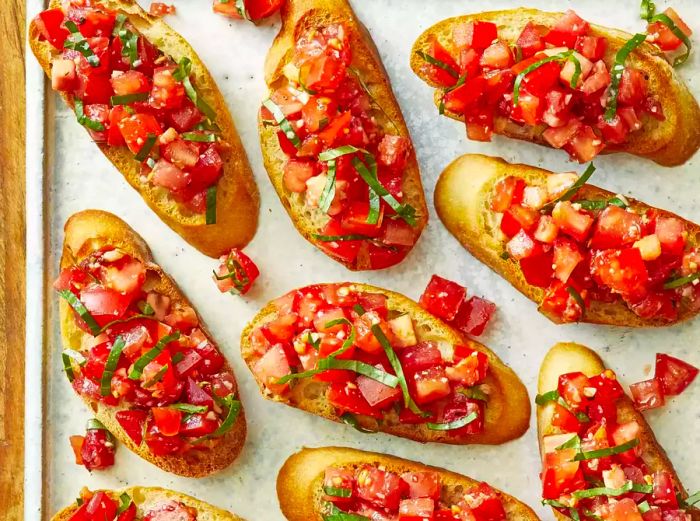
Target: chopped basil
{"points": [[236, 272], [283, 122], [350, 419], [145, 308], [340, 238], [616, 73], [554, 503], [207, 125], [324, 364], [398, 369], [573, 190], [365, 87], [84, 120], [573, 443], [648, 9], [234, 409], [337, 492], [679, 282], [242, 10], [128, 98], [474, 393], [600, 204], [124, 502], [316, 344], [349, 341], [328, 194], [77, 42], [146, 148], [199, 137], [189, 408], [111, 365], [81, 310], [357, 308], [156, 377], [93, 424], [335, 153], [149, 356], [562, 56], [178, 357], [182, 73], [439, 64], [577, 297], [68, 367], [441, 106], [129, 39], [553, 396], [338, 515], [456, 424], [606, 491], [610, 451], [211, 205]]}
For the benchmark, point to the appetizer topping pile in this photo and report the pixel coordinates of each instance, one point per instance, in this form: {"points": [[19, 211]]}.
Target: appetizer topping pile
{"points": [[371, 492], [96, 449], [145, 355], [562, 82], [98, 505], [370, 361], [344, 156], [672, 376], [594, 469], [126, 92], [581, 250]]}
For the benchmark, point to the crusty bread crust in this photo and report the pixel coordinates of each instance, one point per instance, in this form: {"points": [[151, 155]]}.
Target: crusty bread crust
{"points": [[297, 17], [237, 200], [86, 232], [570, 357], [145, 497], [507, 412], [462, 198], [300, 491], [669, 143]]}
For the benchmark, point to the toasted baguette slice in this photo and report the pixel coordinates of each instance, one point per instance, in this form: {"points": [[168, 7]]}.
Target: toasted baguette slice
{"points": [[669, 143], [569, 357], [86, 232], [297, 17], [462, 203], [507, 410], [237, 200], [300, 481], [149, 497]]}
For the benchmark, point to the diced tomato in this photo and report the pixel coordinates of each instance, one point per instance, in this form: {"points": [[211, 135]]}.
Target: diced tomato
{"points": [[529, 110], [562, 479], [355, 216], [296, 173], [614, 131], [184, 119], [539, 81], [132, 421], [419, 357], [537, 269], [518, 217], [170, 510], [566, 30], [94, 89], [97, 451], [167, 92], [564, 419], [442, 297], [76, 443], [160, 9], [572, 388], [674, 375], [394, 151], [629, 116], [346, 397], [560, 136], [478, 35], [339, 479], [597, 80], [546, 230], [474, 315], [506, 192], [346, 251], [469, 366], [622, 510], [431, 384], [243, 266], [158, 443], [98, 113], [632, 87], [416, 509], [647, 394], [167, 420], [592, 47], [572, 221], [466, 96], [322, 73], [208, 169], [439, 75], [622, 270], [397, 233], [422, 484], [664, 493], [615, 228], [654, 305], [167, 175], [557, 103], [380, 487], [521, 246], [318, 112], [497, 56], [198, 424], [99, 506], [671, 234], [484, 503], [530, 41], [63, 75], [104, 304], [376, 393], [271, 367], [661, 34], [130, 82], [50, 26], [567, 256], [92, 21], [624, 433], [136, 128], [585, 145]]}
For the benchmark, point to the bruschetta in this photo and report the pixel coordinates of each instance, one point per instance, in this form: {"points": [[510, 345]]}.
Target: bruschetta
{"points": [[146, 503], [580, 252], [154, 110], [556, 80], [376, 360], [316, 484], [138, 354], [334, 141], [600, 457]]}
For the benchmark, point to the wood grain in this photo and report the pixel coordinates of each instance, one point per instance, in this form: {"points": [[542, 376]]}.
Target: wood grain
{"points": [[12, 257]]}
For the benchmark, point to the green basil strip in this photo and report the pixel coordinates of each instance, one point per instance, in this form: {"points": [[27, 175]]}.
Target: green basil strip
{"points": [[328, 194], [207, 125], [182, 73], [605, 491], [573, 514], [119, 23], [573, 190], [648, 8], [211, 205], [350, 419], [149, 356], [236, 272], [544, 399], [374, 201], [562, 56], [340, 238], [199, 138], [283, 122], [441, 106], [145, 308], [439, 64], [128, 319], [81, 310], [644, 507], [128, 98], [335, 153], [146, 148], [357, 308], [84, 120], [338, 515], [93, 424], [349, 341], [691, 500], [600, 204], [681, 281], [324, 364], [365, 87], [156, 377], [189, 408], [178, 357], [554, 503], [68, 367], [616, 73], [576, 296], [474, 393], [573, 443], [77, 42], [111, 365], [457, 424], [398, 369], [337, 492], [610, 451], [124, 502], [664, 19], [234, 409], [130, 43]]}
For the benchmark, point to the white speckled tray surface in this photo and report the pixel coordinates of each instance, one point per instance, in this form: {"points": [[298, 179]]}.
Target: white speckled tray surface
{"points": [[77, 177]]}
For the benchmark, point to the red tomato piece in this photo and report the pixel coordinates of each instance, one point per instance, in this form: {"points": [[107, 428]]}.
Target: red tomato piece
{"points": [[671, 234], [572, 388], [442, 297], [379, 487], [469, 366], [647, 394], [355, 216], [420, 357], [318, 112], [521, 246], [567, 256], [130, 82], [585, 145], [63, 75], [632, 87], [439, 75], [624, 433], [246, 271], [592, 47], [160, 9], [478, 35], [97, 451], [416, 509], [430, 384], [104, 304], [94, 89], [422, 484], [571, 221], [474, 315], [497, 56], [339, 479], [530, 41], [622, 510], [346, 397], [539, 81], [566, 30], [622, 270], [560, 136], [169, 176], [197, 425], [664, 493], [136, 128], [674, 375], [537, 269], [100, 114], [184, 119], [167, 420], [518, 217], [376, 393], [170, 510], [661, 35], [132, 421], [484, 503], [564, 419], [394, 151], [615, 228], [507, 191], [346, 251], [271, 367], [51, 28]]}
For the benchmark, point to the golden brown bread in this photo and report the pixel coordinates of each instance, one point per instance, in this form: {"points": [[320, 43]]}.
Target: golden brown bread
{"points": [[669, 143], [300, 491], [86, 232], [146, 497], [570, 357], [297, 17], [507, 410], [237, 200], [462, 198]]}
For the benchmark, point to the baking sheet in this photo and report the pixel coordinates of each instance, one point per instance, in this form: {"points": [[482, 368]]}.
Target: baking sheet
{"points": [[65, 174]]}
